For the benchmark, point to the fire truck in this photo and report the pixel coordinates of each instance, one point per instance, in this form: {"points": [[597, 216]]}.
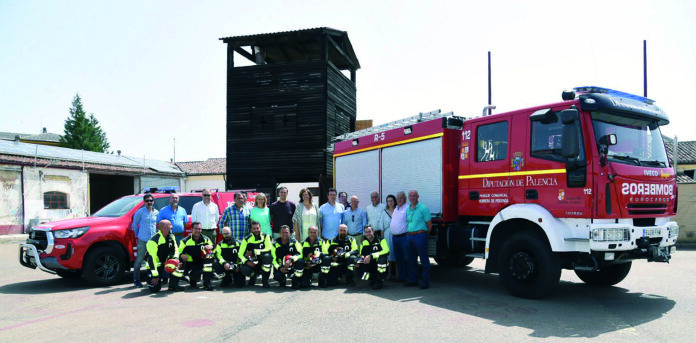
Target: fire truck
{"points": [[583, 184]]}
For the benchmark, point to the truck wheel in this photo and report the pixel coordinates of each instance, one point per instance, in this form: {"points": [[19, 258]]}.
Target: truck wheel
{"points": [[527, 266], [69, 274], [104, 266], [607, 276]]}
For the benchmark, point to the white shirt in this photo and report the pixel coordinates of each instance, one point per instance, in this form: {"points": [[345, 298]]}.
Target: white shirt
{"points": [[374, 216], [399, 224], [206, 215]]}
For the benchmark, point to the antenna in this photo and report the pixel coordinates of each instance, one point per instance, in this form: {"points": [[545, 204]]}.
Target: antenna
{"points": [[490, 97], [645, 68]]}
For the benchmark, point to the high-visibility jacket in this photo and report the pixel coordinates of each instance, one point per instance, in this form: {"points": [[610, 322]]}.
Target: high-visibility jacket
{"points": [[227, 251], [376, 248], [256, 245], [194, 247], [309, 248], [348, 245], [160, 248], [280, 250]]}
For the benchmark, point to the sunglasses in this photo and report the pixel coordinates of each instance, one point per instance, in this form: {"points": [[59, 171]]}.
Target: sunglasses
{"points": [[206, 195], [149, 200]]}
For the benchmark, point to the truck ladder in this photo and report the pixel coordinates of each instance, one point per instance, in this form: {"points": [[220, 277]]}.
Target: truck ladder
{"points": [[420, 117]]}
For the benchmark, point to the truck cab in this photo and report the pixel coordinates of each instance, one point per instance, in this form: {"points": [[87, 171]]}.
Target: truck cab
{"points": [[588, 179]]}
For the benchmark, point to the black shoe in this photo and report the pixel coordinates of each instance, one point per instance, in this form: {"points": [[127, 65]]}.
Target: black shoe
{"points": [[225, 282], [424, 286], [283, 283], [193, 284], [377, 285], [208, 287], [176, 288], [410, 284], [251, 282], [266, 285]]}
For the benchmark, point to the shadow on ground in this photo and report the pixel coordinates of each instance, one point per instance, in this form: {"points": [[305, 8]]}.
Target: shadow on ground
{"points": [[574, 310]]}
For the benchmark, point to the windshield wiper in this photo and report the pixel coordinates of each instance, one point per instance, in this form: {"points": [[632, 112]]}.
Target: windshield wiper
{"points": [[654, 163], [625, 158]]}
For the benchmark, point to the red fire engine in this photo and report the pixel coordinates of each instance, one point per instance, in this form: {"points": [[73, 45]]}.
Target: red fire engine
{"points": [[583, 184]]}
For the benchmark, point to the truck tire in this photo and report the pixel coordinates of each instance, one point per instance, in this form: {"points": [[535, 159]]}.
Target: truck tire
{"points": [[607, 276], [69, 274], [527, 266], [104, 266]]}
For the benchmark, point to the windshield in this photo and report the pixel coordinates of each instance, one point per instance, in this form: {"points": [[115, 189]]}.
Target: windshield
{"points": [[638, 141], [119, 207]]}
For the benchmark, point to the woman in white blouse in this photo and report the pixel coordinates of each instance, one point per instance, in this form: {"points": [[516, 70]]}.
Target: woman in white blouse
{"points": [[306, 215]]}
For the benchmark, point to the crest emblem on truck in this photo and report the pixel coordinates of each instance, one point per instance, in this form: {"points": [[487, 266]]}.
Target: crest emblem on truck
{"points": [[517, 161]]}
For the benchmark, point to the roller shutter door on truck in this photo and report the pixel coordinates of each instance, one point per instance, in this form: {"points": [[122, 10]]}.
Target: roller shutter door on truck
{"points": [[414, 166], [358, 174]]}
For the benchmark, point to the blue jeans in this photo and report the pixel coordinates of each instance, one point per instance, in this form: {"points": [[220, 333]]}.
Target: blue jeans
{"points": [[142, 253], [418, 248], [400, 248]]}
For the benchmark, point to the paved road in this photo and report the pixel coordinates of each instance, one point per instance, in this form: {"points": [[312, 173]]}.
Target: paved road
{"points": [[654, 304]]}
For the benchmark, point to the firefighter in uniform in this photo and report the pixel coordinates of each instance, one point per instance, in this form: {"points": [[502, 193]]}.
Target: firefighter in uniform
{"points": [[373, 258], [315, 261], [160, 248], [227, 259], [287, 259], [196, 255], [343, 252], [255, 255]]}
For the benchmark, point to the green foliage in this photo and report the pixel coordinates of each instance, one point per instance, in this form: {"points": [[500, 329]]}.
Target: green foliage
{"points": [[83, 132]]}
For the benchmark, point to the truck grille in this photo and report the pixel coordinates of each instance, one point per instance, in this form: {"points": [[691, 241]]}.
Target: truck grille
{"points": [[646, 208], [38, 239]]}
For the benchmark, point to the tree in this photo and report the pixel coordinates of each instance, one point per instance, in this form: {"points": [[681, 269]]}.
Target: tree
{"points": [[83, 132]]}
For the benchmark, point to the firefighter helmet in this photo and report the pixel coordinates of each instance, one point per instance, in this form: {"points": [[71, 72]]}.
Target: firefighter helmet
{"points": [[171, 265], [339, 252], [207, 252]]}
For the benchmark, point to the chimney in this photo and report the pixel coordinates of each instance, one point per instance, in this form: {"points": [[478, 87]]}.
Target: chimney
{"points": [[119, 152], [44, 130]]}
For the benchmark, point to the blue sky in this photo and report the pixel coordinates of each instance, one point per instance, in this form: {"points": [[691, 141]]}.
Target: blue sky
{"points": [[151, 71]]}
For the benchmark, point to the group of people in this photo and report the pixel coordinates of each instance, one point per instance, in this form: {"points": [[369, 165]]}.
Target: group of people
{"points": [[289, 242]]}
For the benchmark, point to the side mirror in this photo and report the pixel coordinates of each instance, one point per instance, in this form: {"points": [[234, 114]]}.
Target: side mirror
{"points": [[608, 140], [569, 116], [570, 146]]}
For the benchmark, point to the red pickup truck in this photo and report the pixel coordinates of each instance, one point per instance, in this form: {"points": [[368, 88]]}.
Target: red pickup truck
{"points": [[102, 247]]}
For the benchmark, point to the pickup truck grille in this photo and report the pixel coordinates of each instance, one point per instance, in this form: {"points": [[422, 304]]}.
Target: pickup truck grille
{"points": [[38, 239]]}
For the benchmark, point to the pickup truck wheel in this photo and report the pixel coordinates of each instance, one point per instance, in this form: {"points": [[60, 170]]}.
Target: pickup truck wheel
{"points": [[607, 276], [104, 266], [69, 274], [527, 266]]}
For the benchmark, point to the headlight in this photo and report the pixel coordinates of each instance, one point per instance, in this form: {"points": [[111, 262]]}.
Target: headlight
{"points": [[610, 234], [674, 231], [70, 233]]}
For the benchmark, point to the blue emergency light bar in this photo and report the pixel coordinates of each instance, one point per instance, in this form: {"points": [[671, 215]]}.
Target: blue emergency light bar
{"points": [[167, 189], [595, 89]]}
